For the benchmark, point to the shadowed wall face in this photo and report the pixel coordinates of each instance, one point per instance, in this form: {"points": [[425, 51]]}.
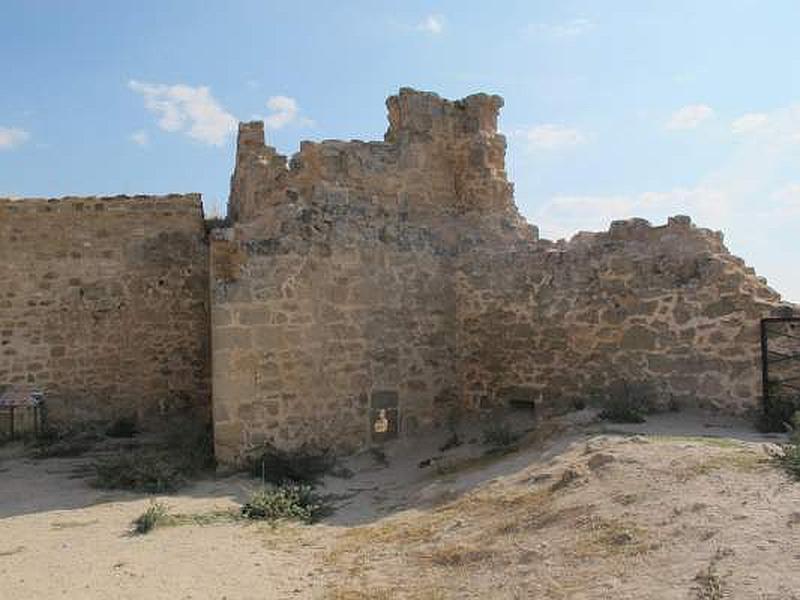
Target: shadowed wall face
{"points": [[103, 305]]}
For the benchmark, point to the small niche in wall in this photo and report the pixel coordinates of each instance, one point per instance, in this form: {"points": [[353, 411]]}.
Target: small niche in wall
{"points": [[384, 415], [519, 398]]}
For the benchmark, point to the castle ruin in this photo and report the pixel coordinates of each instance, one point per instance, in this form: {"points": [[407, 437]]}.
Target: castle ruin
{"points": [[359, 282]]}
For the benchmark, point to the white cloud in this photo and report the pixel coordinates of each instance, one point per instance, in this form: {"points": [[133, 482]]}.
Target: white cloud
{"points": [[192, 110], [749, 123], [284, 111], [550, 136], [563, 215], [433, 24], [787, 200], [752, 195], [11, 137], [690, 116], [140, 138], [568, 29]]}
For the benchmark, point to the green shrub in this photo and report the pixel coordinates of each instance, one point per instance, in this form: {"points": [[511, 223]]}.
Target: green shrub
{"points": [[277, 466], [626, 403], [779, 417], [124, 427], [156, 514], [150, 471], [294, 502], [66, 442], [185, 451], [790, 460], [192, 445]]}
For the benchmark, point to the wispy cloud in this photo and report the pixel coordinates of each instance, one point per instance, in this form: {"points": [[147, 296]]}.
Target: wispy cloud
{"points": [[191, 110], [12, 137], [567, 29], [563, 215], [284, 111], [689, 117], [432, 24], [140, 138], [786, 201], [749, 123], [769, 138], [550, 136]]}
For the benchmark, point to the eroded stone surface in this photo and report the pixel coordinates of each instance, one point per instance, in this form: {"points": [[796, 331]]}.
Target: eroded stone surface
{"points": [[363, 281], [404, 265], [103, 305]]}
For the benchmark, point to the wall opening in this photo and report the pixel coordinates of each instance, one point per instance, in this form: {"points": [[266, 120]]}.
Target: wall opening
{"points": [[384, 416]]}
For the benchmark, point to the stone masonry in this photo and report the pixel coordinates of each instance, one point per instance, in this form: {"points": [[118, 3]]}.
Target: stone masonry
{"points": [[366, 290], [363, 280], [103, 305]]}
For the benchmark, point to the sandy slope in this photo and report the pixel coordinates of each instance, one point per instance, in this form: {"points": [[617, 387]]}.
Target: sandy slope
{"points": [[583, 514]]}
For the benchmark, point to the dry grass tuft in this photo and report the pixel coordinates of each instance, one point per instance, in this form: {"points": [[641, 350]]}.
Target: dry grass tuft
{"points": [[383, 594], [709, 584], [742, 460], [460, 555], [356, 594], [12, 552], [600, 537], [73, 524]]}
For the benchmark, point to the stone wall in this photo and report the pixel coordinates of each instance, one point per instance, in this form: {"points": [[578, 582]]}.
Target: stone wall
{"points": [[308, 346], [398, 276], [667, 310], [104, 305], [333, 294]]}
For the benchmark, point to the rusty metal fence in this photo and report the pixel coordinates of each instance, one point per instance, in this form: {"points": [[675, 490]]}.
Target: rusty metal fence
{"points": [[780, 368]]}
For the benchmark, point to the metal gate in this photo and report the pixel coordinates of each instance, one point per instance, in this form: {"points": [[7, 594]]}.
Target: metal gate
{"points": [[780, 369]]}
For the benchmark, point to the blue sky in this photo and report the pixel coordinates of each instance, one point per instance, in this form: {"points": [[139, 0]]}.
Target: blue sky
{"points": [[613, 108]]}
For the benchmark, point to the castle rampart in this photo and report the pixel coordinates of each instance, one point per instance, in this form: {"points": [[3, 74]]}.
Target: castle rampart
{"points": [[398, 276], [389, 282], [103, 305]]}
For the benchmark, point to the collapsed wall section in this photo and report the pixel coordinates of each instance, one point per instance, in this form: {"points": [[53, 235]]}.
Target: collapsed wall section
{"points": [[103, 305], [666, 312]]}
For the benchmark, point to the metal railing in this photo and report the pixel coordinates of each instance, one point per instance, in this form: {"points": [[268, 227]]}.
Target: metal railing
{"points": [[22, 414], [780, 365]]}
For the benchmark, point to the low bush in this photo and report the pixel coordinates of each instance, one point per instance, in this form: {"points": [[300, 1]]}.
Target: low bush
{"points": [[626, 403], [149, 471], [185, 452], [780, 415], [790, 459], [156, 514], [192, 445], [277, 466], [293, 502], [68, 442]]}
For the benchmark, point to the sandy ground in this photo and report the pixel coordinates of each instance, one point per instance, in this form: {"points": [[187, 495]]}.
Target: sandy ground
{"points": [[684, 506]]}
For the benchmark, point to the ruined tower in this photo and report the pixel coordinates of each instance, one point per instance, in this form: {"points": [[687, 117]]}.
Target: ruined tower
{"points": [[396, 279]]}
